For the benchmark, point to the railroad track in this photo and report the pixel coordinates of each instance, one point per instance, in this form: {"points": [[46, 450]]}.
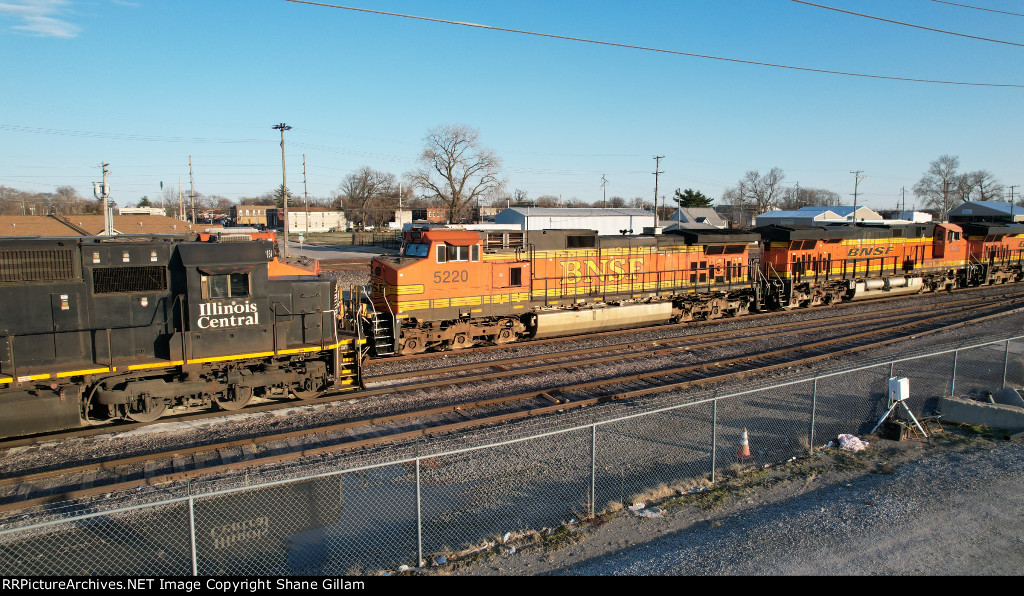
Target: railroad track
{"points": [[508, 367], [349, 264], [1010, 293], [89, 479]]}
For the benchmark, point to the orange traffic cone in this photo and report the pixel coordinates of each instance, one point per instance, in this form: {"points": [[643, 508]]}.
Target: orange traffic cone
{"points": [[744, 450]]}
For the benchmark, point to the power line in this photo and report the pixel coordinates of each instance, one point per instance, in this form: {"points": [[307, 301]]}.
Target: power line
{"points": [[1012, 14], [659, 50], [867, 16]]}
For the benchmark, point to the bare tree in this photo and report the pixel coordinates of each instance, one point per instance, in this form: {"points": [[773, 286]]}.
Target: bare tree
{"points": [[755, 192], [983, 186], [547, 201], [941, 187], [795, 198], [67, 200], [12, 201], [369, 195], [456, 168]]}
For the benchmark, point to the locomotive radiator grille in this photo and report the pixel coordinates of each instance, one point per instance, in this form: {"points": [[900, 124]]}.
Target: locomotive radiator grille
{"points": [[36, 265], [110, 280]]}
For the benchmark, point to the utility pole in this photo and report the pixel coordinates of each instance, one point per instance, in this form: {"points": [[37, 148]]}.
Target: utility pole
{"points": [[192, 193], [284, 185], [856, 180], [657, 171], [604, 191], [1011, 201], [305, 194], [903, 196], [102, 191], [181, 205]]}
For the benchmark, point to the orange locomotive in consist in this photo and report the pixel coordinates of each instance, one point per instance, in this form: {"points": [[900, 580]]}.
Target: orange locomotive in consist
{"points": [[452, 288], [810, 266], [997, 250]]}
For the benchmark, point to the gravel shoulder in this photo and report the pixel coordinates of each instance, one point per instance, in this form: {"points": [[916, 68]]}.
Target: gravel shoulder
{"points": [[950, 505]]}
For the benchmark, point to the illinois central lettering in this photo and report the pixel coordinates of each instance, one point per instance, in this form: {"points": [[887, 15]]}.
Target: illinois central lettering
{"points": [[609, 270], [214, 315]]}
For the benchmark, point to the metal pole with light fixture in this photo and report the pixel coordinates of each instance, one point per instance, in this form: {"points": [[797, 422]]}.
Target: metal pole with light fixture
{"points": [[284, 185]]}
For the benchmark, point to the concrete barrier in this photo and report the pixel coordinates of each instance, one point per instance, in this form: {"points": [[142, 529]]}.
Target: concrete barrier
{"points": [[965, 411]]}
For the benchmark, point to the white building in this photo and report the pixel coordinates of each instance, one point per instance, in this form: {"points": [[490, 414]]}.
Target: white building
{"points": [[811, 216], [321, 219], [606, 221], [142, 211]]}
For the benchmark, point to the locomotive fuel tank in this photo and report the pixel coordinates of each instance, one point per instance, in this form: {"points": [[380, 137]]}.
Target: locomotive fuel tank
{"points": [[568, 322], [889, 286]]}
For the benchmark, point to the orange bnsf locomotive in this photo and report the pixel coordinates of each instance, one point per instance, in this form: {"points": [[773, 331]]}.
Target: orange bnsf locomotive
{"points": [[822, 265], [453, 288]]}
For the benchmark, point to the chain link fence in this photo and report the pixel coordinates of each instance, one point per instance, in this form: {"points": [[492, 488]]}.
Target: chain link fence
{"points": [[360, 520]]}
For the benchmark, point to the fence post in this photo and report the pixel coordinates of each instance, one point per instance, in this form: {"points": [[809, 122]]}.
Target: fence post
{"points": [[714, 436], [419, 519], [593, 470], [952, 383], [192, 528], [814, 408], [1006, 362]]}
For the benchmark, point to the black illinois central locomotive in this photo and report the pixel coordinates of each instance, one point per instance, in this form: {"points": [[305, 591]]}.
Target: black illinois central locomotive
{"points": [[128, 327]]}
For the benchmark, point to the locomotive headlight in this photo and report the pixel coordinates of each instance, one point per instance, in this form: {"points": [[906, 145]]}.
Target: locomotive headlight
{"points": [[144, 301]]}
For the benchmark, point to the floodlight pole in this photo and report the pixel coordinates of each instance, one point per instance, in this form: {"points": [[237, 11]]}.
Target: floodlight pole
{"points": [[657, 171], [284, 185]]}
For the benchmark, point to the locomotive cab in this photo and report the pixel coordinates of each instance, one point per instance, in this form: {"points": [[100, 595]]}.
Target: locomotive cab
{"points": [[442, 291]]}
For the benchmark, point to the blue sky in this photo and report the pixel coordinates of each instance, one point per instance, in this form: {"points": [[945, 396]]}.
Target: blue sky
{"points": [[145, 84]]}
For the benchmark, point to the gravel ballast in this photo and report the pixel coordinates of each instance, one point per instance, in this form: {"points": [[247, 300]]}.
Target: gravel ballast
{"points": [[949, 506]]}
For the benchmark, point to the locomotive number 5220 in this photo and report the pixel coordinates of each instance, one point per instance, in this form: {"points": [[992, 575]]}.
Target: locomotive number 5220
{"points": [[451, 277]]}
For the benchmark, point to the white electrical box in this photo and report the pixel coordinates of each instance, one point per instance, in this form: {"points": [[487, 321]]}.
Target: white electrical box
{"points": [[899, 389]]}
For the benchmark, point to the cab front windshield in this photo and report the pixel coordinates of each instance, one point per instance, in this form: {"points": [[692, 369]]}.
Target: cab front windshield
{"points": [[418, 249]]}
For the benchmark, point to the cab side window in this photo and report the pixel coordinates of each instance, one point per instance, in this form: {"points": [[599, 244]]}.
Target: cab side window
{"points": [[447, 253], [231, 285]]}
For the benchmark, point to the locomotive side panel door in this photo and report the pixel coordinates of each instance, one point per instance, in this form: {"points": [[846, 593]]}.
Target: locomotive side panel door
{"points": [[70, 337]]}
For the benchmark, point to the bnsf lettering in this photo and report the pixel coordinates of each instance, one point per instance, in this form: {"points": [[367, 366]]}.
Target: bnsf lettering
{"points": [[609, 270], [870, 251]]}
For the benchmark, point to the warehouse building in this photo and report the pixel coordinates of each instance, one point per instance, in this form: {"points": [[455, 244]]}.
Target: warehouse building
{"points": [[605, 221]]}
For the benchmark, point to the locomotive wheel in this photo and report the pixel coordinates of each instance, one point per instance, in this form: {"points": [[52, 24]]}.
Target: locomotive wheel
{"points": [[136, 413], [307, 391], [231, 399], [413, 345], [306, 395], [505, 336], [460, 341]]}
